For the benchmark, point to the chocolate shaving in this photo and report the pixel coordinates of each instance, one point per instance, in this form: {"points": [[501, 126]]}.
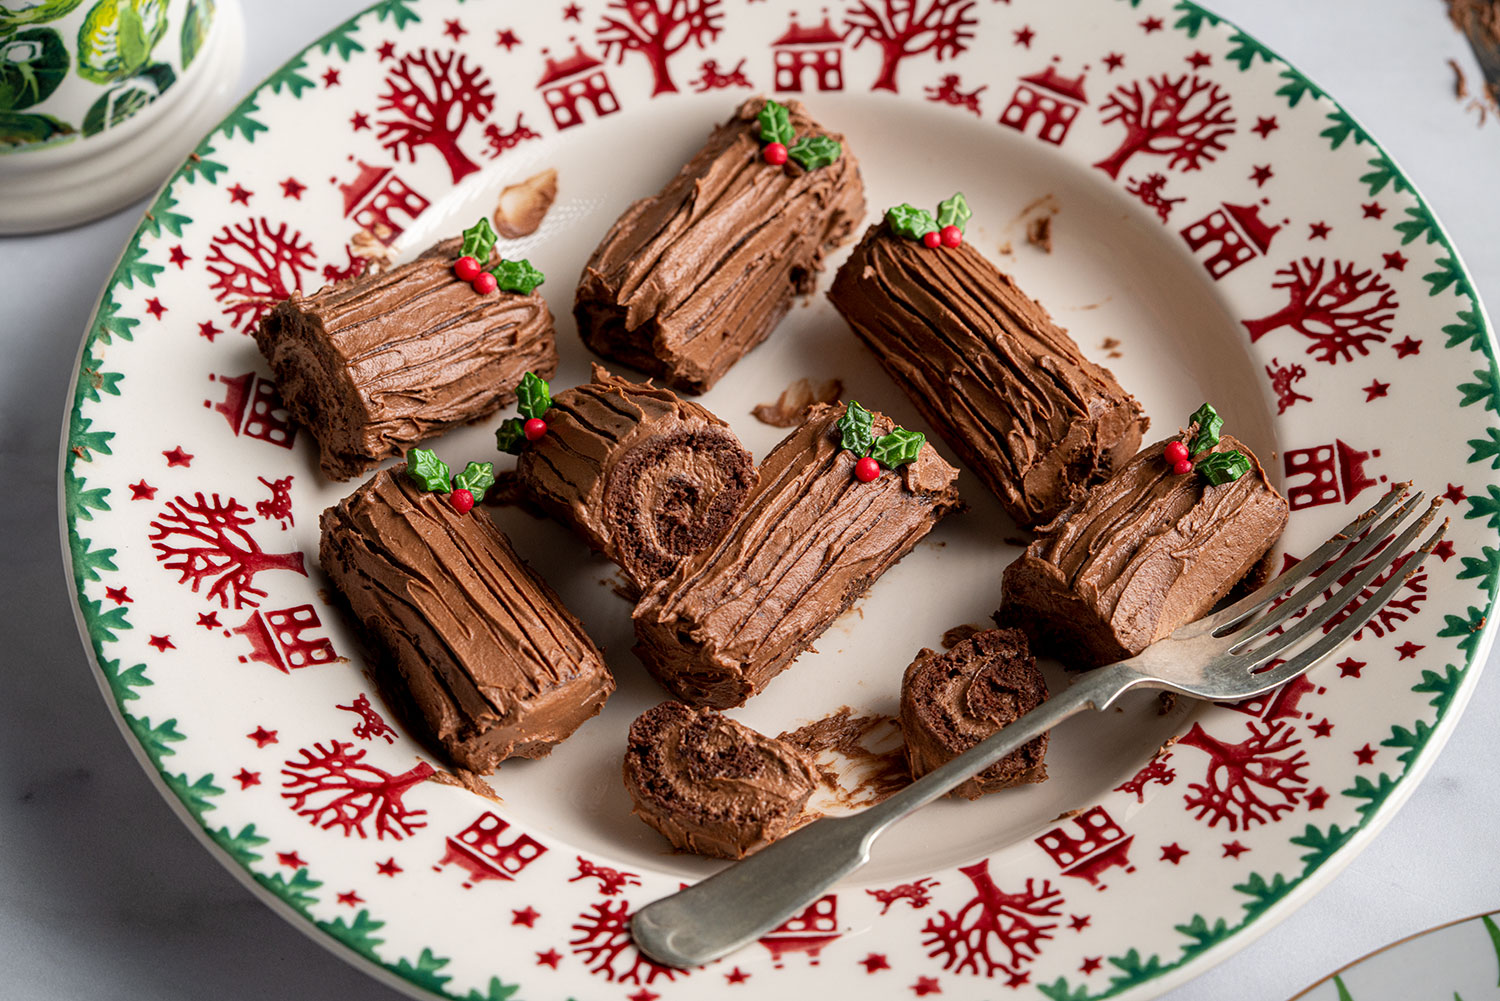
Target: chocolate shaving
{"points": [[792, 404], [877, 773], [523, 206]]}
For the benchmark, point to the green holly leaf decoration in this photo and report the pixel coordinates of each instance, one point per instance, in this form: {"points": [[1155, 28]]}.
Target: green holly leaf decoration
{"points": [[510, 437], [898, 448], [532, 396], [1209, 425], [1224, 467], [857, 429], [776, 124], [427, 470], [812, 152], [479, 240], [517, 276], [954, 211], [476, 478], [909, 221]]}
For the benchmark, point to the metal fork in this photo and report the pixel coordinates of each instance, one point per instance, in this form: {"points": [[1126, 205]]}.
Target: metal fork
{"points": [[1223, 657]]}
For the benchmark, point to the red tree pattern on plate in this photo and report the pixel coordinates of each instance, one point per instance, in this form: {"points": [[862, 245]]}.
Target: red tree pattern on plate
{"points": [[430, 98], [611, 881], [915, 893], [902, 28], [256, 265], [205, 540], [949, 92], [658, 30], [502, 141], [371, 724], [1252, 782], [1156, 770], [1282, 377], [1341, 312], [1150, 193], [1403, 605], [711, 79], [279, 506], [1185, 119], [334, 787], [994, 931], [604, 941]]}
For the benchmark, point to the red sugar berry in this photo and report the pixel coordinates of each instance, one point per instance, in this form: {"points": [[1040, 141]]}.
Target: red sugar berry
{"points": [[866, 469], [484, 283], [932, 240], [951, 236], [1182, 467], [534, 428], [1176, 452], [775, 154], [467, 268], [462, 501]]}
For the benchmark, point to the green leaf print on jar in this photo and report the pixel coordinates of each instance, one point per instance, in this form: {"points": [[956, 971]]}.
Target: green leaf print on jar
{"points": [[32, 63], [195, 25], [19, 13], [23, 129], [117, 37], [124, 100]]}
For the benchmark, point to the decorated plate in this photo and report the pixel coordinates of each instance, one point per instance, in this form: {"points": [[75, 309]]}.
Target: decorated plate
{"points": [[1462, 959], [1219, 230]]}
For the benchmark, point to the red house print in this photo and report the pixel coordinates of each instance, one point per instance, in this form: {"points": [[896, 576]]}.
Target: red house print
{"points": [[815, 52], [1335, 473], [478, 851], [567, 84], [253, 409], [377, 200], [1098, 845], [280, 639], [808, 932], [1235, 233], [1049, 96]]}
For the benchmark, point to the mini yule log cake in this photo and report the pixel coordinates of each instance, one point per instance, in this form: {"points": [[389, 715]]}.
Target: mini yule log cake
{"points": [[1155, 546], [839, 501], [1006, 387], [688, 280], [952, 701], [374, 365], [644, 477], [713, 786], [492, 663]]}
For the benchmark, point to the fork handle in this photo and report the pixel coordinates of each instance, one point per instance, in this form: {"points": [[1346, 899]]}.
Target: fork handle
{"points": [[737, 905]]}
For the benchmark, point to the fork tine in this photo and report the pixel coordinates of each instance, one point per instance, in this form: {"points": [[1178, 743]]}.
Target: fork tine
{"points": [[1263, 596], [1341, 599]]}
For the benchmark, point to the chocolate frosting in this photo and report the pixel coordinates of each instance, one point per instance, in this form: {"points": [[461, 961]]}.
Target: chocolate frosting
{"points": [[951, 701], [809, 542], [377, 364], [492, 662], [688, 280], [1005, 386], [713, 786], [645, 477], [1146, 552]]}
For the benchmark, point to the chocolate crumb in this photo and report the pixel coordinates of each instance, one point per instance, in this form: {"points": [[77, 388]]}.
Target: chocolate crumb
{"points": [[1068, 814], [794, 400], [1165, 702], [1039, 233], [953, 637], [878, 769], [1460, 83], [1006, 250]]}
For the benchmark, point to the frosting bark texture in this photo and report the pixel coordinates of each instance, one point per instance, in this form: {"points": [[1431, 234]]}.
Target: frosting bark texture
{"points": [[646, 478], [952, 701], [713, 786], [1149, 550], [493, 664], [377, 364], [1006, 387], [688, 280], [810, 540]]}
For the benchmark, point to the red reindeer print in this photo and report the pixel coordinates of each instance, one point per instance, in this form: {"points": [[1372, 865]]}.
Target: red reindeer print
{"points": [[1185, 119], [1156, 771], [1341, 311], [949, 92], [711, 79], [205, 541], [255, 265], [502, 141], [904, 28], [371, 724], [1282, 377], [611, 881], [279, 506], [658, 30], [354, 267], [1252, 782], [334, 787], [1150, 193], [604, 943], [915, 894], [994, 932], [429, 98]]}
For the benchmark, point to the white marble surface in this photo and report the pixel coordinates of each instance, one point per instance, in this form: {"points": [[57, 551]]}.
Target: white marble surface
{"points": [[104, 894]]}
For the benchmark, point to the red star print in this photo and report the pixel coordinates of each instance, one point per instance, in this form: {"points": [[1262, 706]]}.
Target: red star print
{"points": [[1024, 36], [360, 121], [290, 859], [292, 188], [549, 958], [177, 457], [208, 620], [1114, 61], [1408, 346], [572, 12], [1078, 922], [736, 976], [454, 30], [240, 194], [1443, 550], [925, 986], [875, 961], [1151, 24], [162, 643], [262, 736], [643, 995], [1375, 390], [352, 898], [1260, 175], [142, 491], [525, 916], [1265, 126], [386, 50], [330, 77], [507, 40], [1322, 729], [1234, 850], [388, 867], [154, 307], [117, 595], [178, 256], [1366, 755], [1090, 964], [246, 778], [1395, 261], [1374, 210], [1319, 231], [1019, 979], [1172, 853], [1454, 494], [1349, 667], [1408, 650], [209, 331], [1198, 60], [1317, 798]]}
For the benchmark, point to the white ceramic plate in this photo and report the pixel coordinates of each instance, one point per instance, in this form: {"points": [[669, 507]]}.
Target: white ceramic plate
{"points": [[1251, 186], [1461, 960]]}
